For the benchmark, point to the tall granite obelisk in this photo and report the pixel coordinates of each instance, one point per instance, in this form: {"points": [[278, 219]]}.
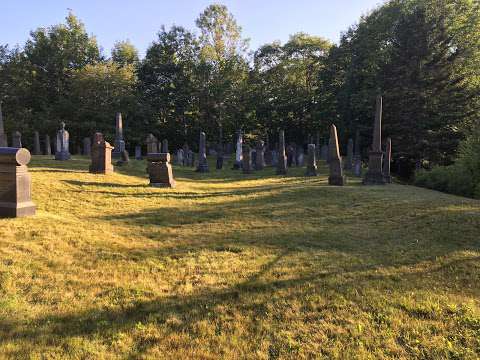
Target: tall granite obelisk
{"points": [[3, 136], [374, 175], [336, 172], [202, 154], [119, 147]]}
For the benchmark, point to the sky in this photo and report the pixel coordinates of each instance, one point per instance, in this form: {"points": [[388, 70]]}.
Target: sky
{"points": [[262, 21]]}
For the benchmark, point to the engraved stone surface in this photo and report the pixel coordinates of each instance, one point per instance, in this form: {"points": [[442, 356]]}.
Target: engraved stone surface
{"points": [[159, 170], [101, 156]]}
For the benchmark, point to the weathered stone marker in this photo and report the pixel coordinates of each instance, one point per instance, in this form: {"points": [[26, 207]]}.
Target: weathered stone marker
{"points": [[374, 175], [260, 155], [119, 146], [15, 183], [87, 146], [349, 159], [165, 146], [238, 152], [48, 145], [247, 160], [152, 144], [311, 161], [180, 157], [3, 135], [101, 156], [17, 140], [335, 162], [36, 144], [159, 170], [202, 154], [138, 152], [282, 157], [387, 161], [62, 151]]}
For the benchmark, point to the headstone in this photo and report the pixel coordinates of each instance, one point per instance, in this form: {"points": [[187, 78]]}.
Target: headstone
{"points": [[357, 157], [267, 155], [324, 153], [349, 159], [247, 160], [219, 154], [36, 144], [15, 183], [3, 135], [101, 156], [260, 155], [282, 157], [374, 175], [124, 158], [311, 161], [202, 154], [17, 140], [274, 157], [180, 157], [300, 157], [336, 172], [119, 146], [186, 158], [152, 144], [165, 146], [238, 152], [48, 145], [62, 149], [191, 158], [138, 152], [159, 170], [290, 155], [87, 146], [386, 163]]}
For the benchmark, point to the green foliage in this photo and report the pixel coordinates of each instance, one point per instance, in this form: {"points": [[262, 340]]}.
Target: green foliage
{"points": [[124, 53]]}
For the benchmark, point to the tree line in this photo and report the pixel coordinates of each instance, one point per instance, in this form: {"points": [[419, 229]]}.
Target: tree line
{"points": [[423, 56]]}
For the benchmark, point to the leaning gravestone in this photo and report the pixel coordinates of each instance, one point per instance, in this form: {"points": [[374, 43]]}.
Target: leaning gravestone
{"points": [[119, 146], [36, 144], [374, 175], [15, 183], [3, 135], [101, 156], [152, 144], [247, 160], [311, 161], [336, 172], [48, 145], [387, 161], [87, 146], [202, 154], [17, 140], [62, 149], [159, 170], [282, 157]]}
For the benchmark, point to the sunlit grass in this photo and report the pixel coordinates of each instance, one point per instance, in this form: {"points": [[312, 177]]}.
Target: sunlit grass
{"points": [[228, 265]]}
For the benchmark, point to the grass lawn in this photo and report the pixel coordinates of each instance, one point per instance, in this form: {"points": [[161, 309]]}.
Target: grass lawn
{"points": [[232, 266]]}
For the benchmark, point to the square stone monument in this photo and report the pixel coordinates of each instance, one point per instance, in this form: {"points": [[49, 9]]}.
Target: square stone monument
{"points": [[101, 156], [160, 170]]}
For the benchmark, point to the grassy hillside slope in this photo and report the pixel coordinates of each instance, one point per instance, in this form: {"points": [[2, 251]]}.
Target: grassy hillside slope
{"points": [[237, 266]]}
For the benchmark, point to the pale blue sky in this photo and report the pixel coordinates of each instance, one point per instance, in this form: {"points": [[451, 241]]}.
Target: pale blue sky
{"points": [[139, 20]]}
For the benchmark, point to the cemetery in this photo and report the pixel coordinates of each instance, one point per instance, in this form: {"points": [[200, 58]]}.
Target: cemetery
{"points": [[128, 233]]}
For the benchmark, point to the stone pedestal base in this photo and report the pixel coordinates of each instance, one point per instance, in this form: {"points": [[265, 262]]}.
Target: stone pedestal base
{"points": [[119, 147], [337, 180], [63, 155], [14, 210]]}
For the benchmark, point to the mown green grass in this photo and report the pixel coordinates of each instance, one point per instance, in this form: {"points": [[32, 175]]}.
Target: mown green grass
{"points": [[237, 266]]}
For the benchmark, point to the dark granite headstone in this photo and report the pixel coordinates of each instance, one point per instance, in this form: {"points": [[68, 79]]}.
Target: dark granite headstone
{"points": [[62, 151], [247, 160], [202, 154], [101, 156], [282, 157], [36, 144], [15, 183], [374, 175], [159, 170], [336, 172], [311, 161]]}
